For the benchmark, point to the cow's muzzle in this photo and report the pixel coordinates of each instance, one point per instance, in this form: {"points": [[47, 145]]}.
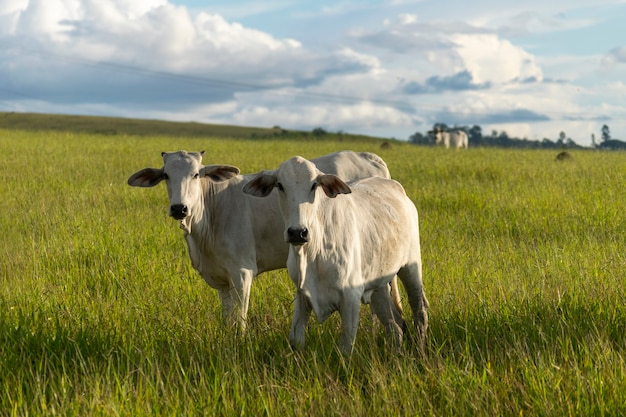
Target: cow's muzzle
{"points": [[298, 236], [179, 211]]}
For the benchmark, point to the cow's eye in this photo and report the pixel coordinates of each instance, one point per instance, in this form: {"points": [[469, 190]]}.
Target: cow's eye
{"points": [[314, 186], [196, 176], [280, 186]]}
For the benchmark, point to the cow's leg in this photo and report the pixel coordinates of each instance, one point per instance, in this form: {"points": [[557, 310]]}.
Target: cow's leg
{"points": [[349, 310], [246, 278], [383, 307], [411, 278], [301, 314], [236, 299], [229, 300], [242, 286]]}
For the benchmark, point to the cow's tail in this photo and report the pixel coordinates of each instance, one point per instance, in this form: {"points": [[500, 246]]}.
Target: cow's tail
{"points": [[395, 294]]}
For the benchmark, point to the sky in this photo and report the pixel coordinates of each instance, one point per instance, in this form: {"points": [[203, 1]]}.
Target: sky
{"points": [[389, 68]]}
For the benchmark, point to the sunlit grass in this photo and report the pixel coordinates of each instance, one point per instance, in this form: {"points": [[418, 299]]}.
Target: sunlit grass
{"points": [[102, 314]]}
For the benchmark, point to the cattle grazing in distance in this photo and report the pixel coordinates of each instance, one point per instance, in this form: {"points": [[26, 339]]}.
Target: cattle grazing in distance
{"points": [[563, 156], [232, 237], [346, 249], [455, 139]]}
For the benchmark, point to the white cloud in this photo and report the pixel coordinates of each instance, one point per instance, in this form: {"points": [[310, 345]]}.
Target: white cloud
{"points": [[334, 117], [145, 42], [363, 60], [407, 18], [491, 59]]}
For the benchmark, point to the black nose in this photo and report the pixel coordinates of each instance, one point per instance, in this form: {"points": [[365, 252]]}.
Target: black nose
{"points": [[297, 236], [178, 211]]}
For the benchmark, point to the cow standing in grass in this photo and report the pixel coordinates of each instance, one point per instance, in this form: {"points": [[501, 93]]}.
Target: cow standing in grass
{"points": [[233, 237], [346, 249], [455, 139]]}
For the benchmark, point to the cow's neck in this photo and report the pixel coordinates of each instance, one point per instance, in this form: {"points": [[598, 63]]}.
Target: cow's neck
{"points": [[200, 224]]}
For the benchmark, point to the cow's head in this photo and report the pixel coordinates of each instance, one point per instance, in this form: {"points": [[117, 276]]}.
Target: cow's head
{"points": [[438, 133], [298, 182], [182, 172]]}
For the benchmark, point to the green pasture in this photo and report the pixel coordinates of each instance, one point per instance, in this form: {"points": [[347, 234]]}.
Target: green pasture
{"points": [[101, 313]]}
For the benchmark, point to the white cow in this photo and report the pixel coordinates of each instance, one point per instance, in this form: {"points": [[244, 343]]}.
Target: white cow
{"points": [[455, 139], [345, 250], [232, 237]]}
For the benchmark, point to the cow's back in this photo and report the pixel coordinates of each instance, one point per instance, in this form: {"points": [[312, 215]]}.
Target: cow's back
{"points": [[349, 165], [458, 139], [378, 222]]}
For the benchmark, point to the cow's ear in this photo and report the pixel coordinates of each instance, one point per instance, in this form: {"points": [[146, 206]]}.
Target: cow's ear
{"points": [[261, 186], [219, 173], [332, 185], [147, 177]]}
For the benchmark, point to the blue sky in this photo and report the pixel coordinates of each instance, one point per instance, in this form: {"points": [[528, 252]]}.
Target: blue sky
{"points": [[383, 68]]}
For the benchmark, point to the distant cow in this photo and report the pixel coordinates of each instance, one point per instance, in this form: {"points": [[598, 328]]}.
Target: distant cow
{"points": [[455, 139], [232, 237], [345, 250]]}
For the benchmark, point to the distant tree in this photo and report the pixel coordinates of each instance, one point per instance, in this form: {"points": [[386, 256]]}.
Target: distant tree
{"points": [[437, 126], [318, 131], [475, 135], [421, 139], [606, 133], [496, 139]]}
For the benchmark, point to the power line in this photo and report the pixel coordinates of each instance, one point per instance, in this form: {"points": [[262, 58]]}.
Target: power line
{"points": [[191, 79], [403, 105]]}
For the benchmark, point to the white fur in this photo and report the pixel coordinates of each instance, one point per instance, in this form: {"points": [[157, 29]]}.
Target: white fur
{"points": [[356, 244], [455, 139], [232, 237]]}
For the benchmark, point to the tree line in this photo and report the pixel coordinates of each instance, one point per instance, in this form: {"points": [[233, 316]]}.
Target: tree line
{"points": [[478, 138]]}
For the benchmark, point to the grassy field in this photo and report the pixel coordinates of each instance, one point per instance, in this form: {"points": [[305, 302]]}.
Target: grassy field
{"points": [[113, 126], [101, 313]]}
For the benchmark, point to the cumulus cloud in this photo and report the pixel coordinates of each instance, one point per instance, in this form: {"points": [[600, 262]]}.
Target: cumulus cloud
{"points": [[149, 51], [458, 50], [491, 59]]}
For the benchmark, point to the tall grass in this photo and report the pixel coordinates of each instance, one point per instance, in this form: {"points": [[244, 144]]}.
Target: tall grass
{"points": [[102, 314]]}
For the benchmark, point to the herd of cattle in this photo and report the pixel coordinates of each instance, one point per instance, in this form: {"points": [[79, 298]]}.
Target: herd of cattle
{"points": [[343, 228]]}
